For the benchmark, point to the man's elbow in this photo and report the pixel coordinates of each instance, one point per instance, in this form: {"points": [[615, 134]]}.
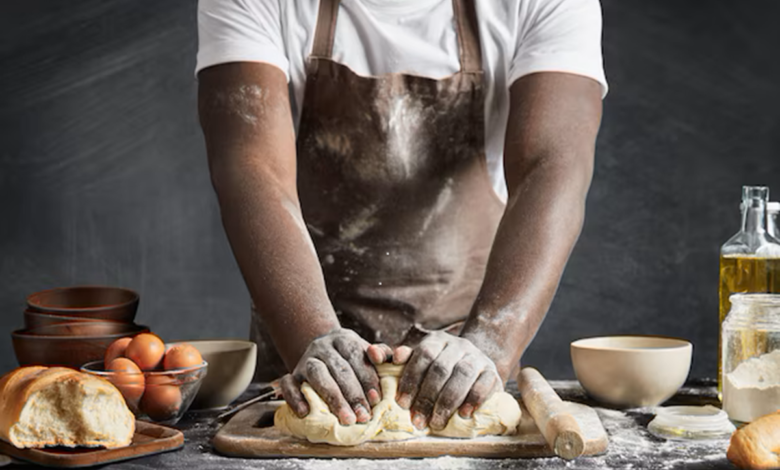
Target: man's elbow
{"points": [[555, 172], [579, 170]]}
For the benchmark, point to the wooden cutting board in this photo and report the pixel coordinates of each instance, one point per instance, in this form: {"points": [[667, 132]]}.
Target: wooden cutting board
{"points": [[251, 434], [149, 439]]}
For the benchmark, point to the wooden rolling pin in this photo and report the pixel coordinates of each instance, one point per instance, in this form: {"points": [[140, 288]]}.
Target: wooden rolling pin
{"points": [[556, 424]]}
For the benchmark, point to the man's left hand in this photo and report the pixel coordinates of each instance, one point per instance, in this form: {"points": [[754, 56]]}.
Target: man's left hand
{"points": [[444, 373]]}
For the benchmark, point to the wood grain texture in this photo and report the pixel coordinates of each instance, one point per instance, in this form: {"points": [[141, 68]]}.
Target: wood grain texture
{"points": [[251, 434], [149, 439], [103, 175]]}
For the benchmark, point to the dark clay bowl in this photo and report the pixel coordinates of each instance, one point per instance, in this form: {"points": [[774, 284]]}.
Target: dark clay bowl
{"points": [[37, 319], [107, 303], [96, 328], [67, 351]]}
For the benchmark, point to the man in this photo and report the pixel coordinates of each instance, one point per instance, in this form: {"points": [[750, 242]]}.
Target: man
{"points": [[409, 173]]}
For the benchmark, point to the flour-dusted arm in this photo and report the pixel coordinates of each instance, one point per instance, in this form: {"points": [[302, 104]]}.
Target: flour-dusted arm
{"points": [[549, 154], [557, 82], [553, 122], [245, 115]]}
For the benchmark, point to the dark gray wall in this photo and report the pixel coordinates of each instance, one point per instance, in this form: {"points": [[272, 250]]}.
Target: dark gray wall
{"points": [[103, 175]]}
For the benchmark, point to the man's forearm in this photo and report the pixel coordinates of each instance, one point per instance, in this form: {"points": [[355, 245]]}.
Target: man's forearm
{"points": [[276, 257], [250, 141], [539, 228], [549, 151]]}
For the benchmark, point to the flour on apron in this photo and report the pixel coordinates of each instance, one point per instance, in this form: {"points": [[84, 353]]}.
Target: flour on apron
{"points": [[394, 190]]}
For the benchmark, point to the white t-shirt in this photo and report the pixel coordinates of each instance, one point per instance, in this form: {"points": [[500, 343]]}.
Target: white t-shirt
{"points": [[375, 37]]}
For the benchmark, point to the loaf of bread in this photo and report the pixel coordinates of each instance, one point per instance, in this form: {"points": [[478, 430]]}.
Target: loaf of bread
{"points": [[756, 446], [56, 406]]}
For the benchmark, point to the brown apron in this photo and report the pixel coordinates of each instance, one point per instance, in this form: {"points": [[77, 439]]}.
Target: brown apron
{"points": [[393, 184]]}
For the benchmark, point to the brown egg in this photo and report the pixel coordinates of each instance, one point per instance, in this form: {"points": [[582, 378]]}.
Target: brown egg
{"points": [[129, 379], [181, 356], [146, 350], [158, 378], [161, 400], [115, 350]]}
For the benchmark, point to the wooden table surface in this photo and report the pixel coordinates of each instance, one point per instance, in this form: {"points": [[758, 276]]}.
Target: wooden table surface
{"points": [[631, 446]]}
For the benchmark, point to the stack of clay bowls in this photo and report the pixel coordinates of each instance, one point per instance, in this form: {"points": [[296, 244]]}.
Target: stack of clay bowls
{"points": [[74, 325]]}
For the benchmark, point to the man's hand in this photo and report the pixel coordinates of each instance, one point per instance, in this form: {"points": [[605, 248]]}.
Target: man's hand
{"points": [[444, 373], [340, 368]]}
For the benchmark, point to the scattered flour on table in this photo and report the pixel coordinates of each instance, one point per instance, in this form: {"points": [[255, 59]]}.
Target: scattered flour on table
{"points": [[631, 446]]}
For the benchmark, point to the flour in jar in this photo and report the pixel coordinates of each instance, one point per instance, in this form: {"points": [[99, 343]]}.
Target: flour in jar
{"points": [[752, 389]]}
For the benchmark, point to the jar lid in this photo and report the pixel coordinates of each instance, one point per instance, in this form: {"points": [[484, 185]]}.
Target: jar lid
{"points": [[691, 422]]}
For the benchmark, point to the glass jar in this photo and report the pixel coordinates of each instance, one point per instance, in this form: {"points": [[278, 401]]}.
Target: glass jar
{"points": [[751, 357]]}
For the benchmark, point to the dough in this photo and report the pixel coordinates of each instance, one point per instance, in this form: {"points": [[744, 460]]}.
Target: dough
{"points": [[500, 414]]}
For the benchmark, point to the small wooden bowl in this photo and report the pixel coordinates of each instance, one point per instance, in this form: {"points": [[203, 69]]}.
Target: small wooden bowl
{"points": [[93, 328], [108, 303], [67, 351], [37, 319]]}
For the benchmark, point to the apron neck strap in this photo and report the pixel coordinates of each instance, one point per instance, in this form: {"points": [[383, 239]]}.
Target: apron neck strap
{"points": [[465, 13], [468, 35], [326, 29]]}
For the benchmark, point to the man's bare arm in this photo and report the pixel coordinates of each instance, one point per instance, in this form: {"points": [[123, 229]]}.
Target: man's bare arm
{"points": [[245, 115], [550, 138], [549, 152]]}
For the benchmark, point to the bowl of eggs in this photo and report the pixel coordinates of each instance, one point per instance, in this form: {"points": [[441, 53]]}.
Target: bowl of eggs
{"points": [[158, 381]]}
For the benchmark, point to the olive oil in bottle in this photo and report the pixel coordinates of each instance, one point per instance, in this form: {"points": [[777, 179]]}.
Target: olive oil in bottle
{"points": [[749, 262], [746, 273]]}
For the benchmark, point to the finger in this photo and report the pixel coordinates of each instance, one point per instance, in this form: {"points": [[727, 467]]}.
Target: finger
{"points": [[366, 373], [484, 386], [380, 354], [414, 372], [454, 392], [401, 354], [438, 374], [347, 381], [325, 385], [291, 391]]}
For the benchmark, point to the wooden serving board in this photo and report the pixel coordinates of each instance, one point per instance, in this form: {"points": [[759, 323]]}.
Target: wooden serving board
{"points": [[251, 434], [149, 439]]}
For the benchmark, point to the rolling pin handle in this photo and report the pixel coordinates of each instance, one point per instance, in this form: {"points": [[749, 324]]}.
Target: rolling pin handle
{"points": [[558, 426], [567, 441]]}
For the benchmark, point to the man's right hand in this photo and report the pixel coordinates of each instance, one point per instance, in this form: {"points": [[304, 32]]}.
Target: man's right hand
{"points": [[339, 366]]}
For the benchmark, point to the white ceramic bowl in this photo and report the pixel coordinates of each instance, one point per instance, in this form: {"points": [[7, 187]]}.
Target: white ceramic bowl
{"points": [[631, 371], [231, 368]]}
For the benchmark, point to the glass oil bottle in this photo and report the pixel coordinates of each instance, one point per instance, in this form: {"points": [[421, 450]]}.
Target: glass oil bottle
{"points": [[749, 261], [773, 219]]}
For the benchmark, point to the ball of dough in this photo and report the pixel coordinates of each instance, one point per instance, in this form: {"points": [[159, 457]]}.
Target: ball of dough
{"points": [[499, 415]]}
